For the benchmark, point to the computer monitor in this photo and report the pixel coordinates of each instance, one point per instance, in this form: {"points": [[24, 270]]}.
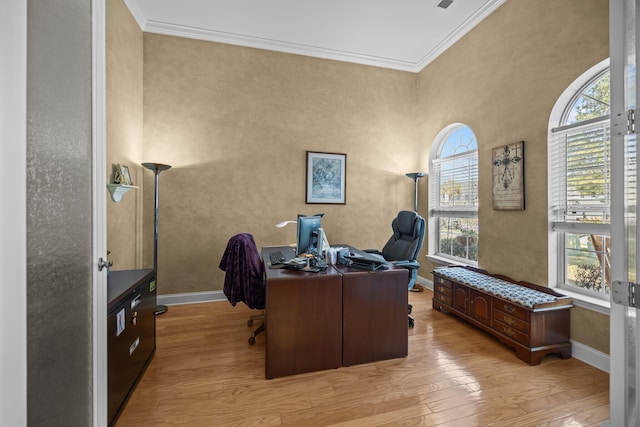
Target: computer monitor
{"points": [[307, 233]]}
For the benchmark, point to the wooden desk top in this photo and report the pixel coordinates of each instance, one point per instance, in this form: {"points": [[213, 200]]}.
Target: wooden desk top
{"points": [[286, 273]]}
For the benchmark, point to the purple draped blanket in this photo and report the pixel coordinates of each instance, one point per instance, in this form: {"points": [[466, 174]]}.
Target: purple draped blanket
{"points": [[244, 274]]}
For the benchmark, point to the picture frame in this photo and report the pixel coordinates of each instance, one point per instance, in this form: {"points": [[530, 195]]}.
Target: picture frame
{"points": [[326, 178], [115, 174], [126, 176], [120, 175], [508, 177]]}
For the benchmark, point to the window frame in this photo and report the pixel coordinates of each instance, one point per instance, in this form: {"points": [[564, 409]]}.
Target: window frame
{"points": [[436, 212], [597, 301]]}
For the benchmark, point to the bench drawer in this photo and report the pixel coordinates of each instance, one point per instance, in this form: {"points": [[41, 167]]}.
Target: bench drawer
{"points": [[510, 320], [512, 310], [511, 332], [441, 281], [443, 290], [444, 299]]}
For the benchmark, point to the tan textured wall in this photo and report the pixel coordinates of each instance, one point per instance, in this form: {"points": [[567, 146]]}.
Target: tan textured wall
{"points": [[124, 132], [233, 121], [502, 79], [235, 124]]}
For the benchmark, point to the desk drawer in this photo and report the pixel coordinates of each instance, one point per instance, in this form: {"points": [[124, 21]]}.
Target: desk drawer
{"points": [[511, 332], [510, 320]]}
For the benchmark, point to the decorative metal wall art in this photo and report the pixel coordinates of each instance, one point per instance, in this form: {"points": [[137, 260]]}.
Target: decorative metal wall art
{"points": [[508, 177]]}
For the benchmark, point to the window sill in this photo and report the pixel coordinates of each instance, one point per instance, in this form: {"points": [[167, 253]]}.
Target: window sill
{"points": [[584, 301], [447, 261]]}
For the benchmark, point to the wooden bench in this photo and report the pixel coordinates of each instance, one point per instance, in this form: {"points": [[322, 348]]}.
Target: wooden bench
{"points": [[532, 319]]}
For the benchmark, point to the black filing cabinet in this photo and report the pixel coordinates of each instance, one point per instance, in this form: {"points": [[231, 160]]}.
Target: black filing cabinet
{"points": [[131, 332]]}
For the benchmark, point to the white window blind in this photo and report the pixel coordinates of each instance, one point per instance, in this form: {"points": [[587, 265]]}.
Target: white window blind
{"points": [[457, 185], [579, 159]]}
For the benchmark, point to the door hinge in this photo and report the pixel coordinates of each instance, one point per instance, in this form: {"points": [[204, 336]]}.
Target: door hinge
{"points": [[631, 122], [625, 293]]}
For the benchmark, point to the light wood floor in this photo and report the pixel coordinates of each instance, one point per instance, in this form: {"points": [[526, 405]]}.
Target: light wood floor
{"points": [[204, 373]]}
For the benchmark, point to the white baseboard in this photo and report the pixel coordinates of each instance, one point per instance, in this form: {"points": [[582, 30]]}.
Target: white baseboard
{"points": [[425, 282], [584, 353], [589, 355], [191, 298]]}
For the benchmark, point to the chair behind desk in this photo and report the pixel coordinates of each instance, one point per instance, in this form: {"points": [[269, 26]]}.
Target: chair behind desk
{"points": [[403, 247], [244, 276]]}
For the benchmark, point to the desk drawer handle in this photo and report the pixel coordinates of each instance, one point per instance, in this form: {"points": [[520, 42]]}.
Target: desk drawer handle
{"points": [[442, 298], [441, 288]]}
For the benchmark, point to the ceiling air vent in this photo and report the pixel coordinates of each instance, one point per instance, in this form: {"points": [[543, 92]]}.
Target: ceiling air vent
{"points": [[445, 4]]}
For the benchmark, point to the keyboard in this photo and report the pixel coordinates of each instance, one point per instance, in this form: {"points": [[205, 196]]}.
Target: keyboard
{"points": [[276, 258]]}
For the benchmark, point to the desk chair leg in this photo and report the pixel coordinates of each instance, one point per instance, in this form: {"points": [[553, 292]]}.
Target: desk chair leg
{"points": [[254, 317], [410, 317], [252, 338]]}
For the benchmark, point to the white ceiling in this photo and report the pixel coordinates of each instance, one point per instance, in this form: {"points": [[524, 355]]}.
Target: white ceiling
{"points": [[397, 34]]}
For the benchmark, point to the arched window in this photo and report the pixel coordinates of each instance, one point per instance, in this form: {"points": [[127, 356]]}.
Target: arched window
{"points": [[580, 187], [453, 195]]}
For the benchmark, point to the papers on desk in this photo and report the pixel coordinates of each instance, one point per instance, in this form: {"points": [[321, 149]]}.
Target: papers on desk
{"points": [[296, 262], [366, 263]]}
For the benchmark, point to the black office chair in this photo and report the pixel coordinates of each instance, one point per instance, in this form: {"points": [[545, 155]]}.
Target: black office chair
{"points": [[244, 277], [404, 246]]}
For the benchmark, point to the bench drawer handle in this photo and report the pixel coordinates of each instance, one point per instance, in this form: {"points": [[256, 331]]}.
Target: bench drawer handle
{"points": [[509, 320], [509, 309], [509, 331]]}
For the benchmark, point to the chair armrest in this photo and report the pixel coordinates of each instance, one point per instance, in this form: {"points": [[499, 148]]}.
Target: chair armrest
{"points": [[411, 265], [372, 251]]}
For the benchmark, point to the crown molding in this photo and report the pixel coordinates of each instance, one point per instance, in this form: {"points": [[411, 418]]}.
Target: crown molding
{"points": [[157, 27], [276, 45], [136, 13]]}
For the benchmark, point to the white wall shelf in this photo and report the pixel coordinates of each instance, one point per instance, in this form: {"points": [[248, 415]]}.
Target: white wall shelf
{"points": [[118, 190]]}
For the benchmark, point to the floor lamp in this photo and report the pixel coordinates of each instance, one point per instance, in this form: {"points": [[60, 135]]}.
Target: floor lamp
{"points": [[156, 168], [415, 176]]}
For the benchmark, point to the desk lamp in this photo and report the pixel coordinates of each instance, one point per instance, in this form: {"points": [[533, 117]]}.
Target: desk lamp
{"points": [[285, 223], [415, 176], [156, 168]]}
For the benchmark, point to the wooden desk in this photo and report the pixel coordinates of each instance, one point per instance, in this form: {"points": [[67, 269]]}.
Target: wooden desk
{"points": [[341, 317], [374, 315], [303, 320]]}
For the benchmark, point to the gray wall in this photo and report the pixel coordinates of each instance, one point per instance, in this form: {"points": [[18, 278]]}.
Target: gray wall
{"points": [[59, 213]]}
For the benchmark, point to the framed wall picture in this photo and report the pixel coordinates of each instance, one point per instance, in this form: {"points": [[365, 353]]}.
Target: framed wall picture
{"points": [[120, 175], [126, 176], [116, 174], [508, 177], [326, 178]]}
